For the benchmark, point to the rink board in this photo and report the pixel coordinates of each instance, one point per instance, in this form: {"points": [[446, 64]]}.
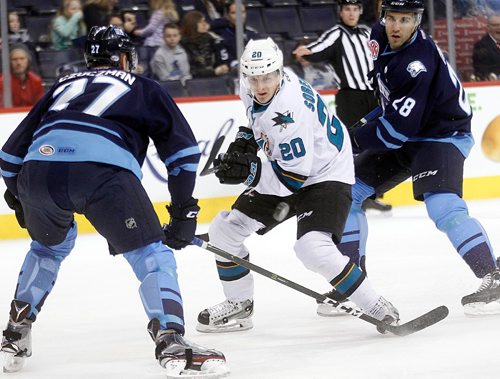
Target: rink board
{"points": [[212, 117]]}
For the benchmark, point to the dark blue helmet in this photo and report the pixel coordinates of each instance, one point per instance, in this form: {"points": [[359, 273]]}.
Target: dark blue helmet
{"points": [[109, 46], [410, 6]]}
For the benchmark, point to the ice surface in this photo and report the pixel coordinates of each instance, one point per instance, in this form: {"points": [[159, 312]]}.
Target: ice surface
{"points": [[93, 324]]}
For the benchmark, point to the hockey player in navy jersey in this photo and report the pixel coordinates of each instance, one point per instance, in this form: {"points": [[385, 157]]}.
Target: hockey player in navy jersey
{"points": [[422, 132], [80, 149], [308, 165]]}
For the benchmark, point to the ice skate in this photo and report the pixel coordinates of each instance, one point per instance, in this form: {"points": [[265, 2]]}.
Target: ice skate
{"points": [[328, 310], [384, 311], [182, 358], [227, 316], [16, 341], [486, 300]]}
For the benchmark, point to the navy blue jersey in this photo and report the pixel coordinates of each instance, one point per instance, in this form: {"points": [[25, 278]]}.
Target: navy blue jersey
{"points": [[421, 96], [105, 116]]}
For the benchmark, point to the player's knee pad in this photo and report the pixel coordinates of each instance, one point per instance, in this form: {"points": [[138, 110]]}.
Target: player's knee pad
{"points": [[447, 210], [318, 253], [228, 231], [154, 257], [59, 251]]}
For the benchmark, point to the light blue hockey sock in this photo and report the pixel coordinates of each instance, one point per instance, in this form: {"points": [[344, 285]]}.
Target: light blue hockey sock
{"points": [[155, 267], [450, 214], [353, 242], [39, 271]]}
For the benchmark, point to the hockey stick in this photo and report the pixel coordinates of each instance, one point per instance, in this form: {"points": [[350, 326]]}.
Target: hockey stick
{"points": [[213, 153], [419, 323]]}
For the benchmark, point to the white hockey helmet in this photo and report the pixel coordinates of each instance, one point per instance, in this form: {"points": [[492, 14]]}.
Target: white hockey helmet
{"points": [[261, 56]]}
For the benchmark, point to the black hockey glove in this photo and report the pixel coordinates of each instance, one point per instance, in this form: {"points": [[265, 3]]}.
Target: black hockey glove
{"points": [[237, 168], [16, 206], [244, 142], [182, 226], [356, 149]]}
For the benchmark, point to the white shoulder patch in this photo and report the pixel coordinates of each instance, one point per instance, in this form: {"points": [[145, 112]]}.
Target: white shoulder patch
{"points": [[415, 68]]}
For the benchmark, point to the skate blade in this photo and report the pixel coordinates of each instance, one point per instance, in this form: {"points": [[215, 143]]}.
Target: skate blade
{"points": [[236, 326], [327, 310], [11, 363], [482, 309], [210, 369]]}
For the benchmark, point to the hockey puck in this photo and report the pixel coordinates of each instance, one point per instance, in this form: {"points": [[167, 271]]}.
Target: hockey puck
{"points": [[281, 211]]}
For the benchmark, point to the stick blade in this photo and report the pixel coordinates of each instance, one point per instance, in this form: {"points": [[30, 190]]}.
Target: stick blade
{"points": [[424, 321], [207, 170]]}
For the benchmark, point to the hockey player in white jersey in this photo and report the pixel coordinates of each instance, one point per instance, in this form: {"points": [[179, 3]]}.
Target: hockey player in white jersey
{"points": [[308, 165]]}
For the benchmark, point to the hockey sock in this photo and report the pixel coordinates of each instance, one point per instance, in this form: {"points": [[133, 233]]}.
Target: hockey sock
{"points": [[39, 271], [353, 242], [155, 267], [450, 214]]}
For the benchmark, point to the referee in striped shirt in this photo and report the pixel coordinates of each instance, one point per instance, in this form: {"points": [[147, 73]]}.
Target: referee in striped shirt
{"points": [[345, 47]]}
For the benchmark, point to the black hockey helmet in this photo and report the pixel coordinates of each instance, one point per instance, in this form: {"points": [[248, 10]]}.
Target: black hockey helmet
{"points": [[403, 6], [410, 6], [359, 3], [109, 46]]}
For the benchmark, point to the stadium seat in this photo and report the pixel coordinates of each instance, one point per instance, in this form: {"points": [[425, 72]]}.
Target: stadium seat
{"points": [[39, 28], [283, 20], [208, 86], [174, 88], [318, 19], [319, 2], [50, 60], [282, 3], [254, 19]]}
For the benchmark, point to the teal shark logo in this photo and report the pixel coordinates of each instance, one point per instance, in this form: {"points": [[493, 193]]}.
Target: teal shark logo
{"points": [[283, 119]]}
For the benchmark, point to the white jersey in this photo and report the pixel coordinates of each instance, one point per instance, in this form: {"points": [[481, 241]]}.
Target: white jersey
{"points": [[304, 144]]}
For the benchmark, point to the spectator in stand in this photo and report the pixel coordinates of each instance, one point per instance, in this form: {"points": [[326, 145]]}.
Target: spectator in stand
{"points": [[225, 28], [207, 56], [128, 22], [26, 86], [16, 33], [320, 75], [67, 25], [486, 54], [170, 61], [97, 12], [21, 35], [162, 12]]}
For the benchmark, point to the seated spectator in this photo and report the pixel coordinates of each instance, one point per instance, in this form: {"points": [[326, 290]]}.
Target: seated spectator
{"points": [[226, 28], [16, 33], [97, 12], [320, 75], [207, 56], [170, 61], [26, 86], [67, 25], [128, 22], [486, 54], [162, 12]]}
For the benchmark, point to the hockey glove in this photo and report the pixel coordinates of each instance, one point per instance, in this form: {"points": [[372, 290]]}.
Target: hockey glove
{"points": [[237, 168], [182, 226], [244, 142], [356, 149], [16, 206]]}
